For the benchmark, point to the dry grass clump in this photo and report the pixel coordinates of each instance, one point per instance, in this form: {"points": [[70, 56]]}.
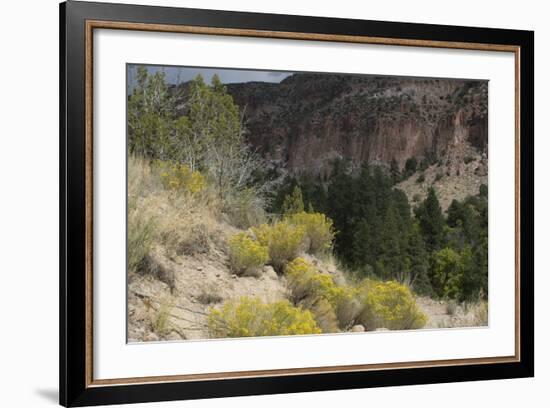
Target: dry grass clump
{"points": [[451, 307], [174, 211], [142, 232], [468, 314], [209, 295], [160, 324], [481, 314], [245, 209], [152, 266]]}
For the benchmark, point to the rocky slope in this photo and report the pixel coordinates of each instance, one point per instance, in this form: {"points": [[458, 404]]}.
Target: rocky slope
{"points": [[175, 310], [308, 120]]}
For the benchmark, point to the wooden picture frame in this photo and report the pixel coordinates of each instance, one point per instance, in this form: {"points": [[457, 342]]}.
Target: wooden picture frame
{"points": [[78, 20]]}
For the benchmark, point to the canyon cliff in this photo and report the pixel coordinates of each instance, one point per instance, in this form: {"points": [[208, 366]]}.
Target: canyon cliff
{"points": [[308, 120]]}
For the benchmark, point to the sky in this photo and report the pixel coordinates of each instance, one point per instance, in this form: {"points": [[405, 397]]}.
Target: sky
{"points": [[184, 74]]}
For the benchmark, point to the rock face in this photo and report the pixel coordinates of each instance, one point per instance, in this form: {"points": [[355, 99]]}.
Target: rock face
{"points": [[308, 120]]}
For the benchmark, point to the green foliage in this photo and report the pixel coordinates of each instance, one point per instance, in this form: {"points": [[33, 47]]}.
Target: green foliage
{"points": [[431, 220], [446, 273], [150, 115], [421, 178], [389, 305], [484, 191], [203, 134], [395, 172], [410, 167], [376, 236], [294, 202], [250, 317], [246, 255], [318, 230], [283, 241], [424, 164]]}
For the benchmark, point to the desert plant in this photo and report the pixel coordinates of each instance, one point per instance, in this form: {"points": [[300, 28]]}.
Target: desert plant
{"points": [[317, 291], [283, 240], [161, 320], [175, 176], [481, 314], [141, 235], [318, 229], [246, 254], [389, 305], [307, 285], [250, 317], [245, 208], [209, 294], [451, 307]]}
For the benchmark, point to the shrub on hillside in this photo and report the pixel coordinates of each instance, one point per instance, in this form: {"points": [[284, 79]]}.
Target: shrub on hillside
{"points": [[317, 291], [246, 255], [389, 305], [283, 240], [318, 229], [141, 234], [250, 317], [306, 283], [176, 176], [245, 208]]}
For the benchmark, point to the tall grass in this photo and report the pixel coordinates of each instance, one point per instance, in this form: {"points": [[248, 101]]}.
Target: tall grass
{"points": [[177, 221]]}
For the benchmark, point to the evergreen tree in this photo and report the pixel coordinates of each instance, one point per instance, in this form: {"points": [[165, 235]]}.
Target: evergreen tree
{"points": [[341, 206], [454, 214], [150, 115], [410, 167], [294, 202], [395, 173], [419, 262], [446, 273], [431, 221]]}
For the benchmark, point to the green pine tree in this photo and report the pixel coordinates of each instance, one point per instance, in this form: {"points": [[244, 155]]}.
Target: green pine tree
{"points": [[294, 202], [431, 221]]}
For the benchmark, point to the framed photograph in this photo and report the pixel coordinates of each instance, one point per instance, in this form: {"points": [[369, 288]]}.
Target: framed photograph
{"points": [[256, 204]]}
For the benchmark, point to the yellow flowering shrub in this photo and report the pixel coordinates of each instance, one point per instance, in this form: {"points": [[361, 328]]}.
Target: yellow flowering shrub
{"points": [[318, 229], [246, 255], [389, 305], [306, 282], [318, 292], [250, 317], [283, 240], [176, 176]]}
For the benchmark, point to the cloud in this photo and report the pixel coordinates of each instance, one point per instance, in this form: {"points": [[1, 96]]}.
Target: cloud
{"points": [[176, 75]]}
